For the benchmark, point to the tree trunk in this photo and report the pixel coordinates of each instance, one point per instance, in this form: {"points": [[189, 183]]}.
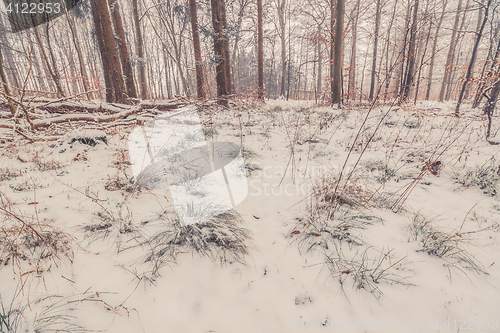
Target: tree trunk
{"points": [[351, 87], [6, 88], [451, 50], [9, 61], [197, 49], [472, 59], [281, 18], [401, 69], [225, 48], [337, 61], [123, 49], [422, 51], [53, 75], [388, 69], [115, 87], [375, 44], [411, 54], [320, 64], [489, 107], [260, 52], [76, 43], [433, 53], [143, 88], [219, 48], [479, 93]]}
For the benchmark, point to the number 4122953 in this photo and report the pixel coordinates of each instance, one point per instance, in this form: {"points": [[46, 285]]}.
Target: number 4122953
{"points": [[471, 324], [34, 8]]}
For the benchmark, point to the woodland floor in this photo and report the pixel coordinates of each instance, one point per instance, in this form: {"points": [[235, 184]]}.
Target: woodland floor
{"points": [[407, 240]]}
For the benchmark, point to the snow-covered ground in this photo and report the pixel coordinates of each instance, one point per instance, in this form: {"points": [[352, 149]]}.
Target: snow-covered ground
{"points": [[413, 244]]}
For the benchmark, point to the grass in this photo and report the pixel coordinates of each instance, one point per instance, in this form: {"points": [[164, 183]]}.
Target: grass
{"points": [[10, 317], [220, 236], [451, 247], [319, 232], [486, 177], [7, 174], [114, 221], [381, 171], [24, 239], [366, 269], [55, 317], [352, 193]]}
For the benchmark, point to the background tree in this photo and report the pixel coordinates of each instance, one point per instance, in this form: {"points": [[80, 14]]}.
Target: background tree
{"points": [[220, 48], [197, 49], [260, 52], [115, 87], [338, 53]]}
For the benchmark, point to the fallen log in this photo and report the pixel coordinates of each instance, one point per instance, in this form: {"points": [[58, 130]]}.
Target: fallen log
{"points": [[162, 105], [84, 117]]}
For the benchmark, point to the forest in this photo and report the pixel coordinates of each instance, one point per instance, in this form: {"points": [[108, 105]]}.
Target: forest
{"points": [[403, 50], [249, 166]]}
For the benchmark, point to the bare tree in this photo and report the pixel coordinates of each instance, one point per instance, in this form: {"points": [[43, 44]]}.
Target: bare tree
{"points": [[280, 5], [5, 83], [338, 52], [260, 52], [53, 74], [489, 107], [375, 45], [451, 50], [78, 48], [472, 58], [140, 50], [123, 49], [113, 79], [409, 75], [197, 49], [351, 87], [433, 52], [221, 52]]}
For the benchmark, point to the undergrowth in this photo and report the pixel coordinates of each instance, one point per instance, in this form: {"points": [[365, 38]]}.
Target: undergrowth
{"points": [[486, 177], [451, 247]]}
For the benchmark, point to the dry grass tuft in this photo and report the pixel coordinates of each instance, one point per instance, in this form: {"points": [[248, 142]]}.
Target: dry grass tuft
{"points": [[39, 244], [353, 193], [451, 247], [219, 236]]}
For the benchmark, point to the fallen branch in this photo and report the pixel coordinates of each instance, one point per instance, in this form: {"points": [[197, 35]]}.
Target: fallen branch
{"points": [[80, 117]]}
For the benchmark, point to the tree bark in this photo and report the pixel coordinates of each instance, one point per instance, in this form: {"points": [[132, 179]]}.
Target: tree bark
{"points": [[143, 88], [320, 65], [77, 45], [451, 50], [489, 107], [197, 49], [337, 61], [472, 59], [225, 48], [411, 54], [491, 71], [260, 52], [433, 53], [9, 61], [281, 18], [115, 87], [219, 48], [53, 75], [351, 86], [375, 45], [6, 87], [123, 49]]}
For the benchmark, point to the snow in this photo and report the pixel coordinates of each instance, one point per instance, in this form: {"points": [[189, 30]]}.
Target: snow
{"points": [[281, 288]]}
